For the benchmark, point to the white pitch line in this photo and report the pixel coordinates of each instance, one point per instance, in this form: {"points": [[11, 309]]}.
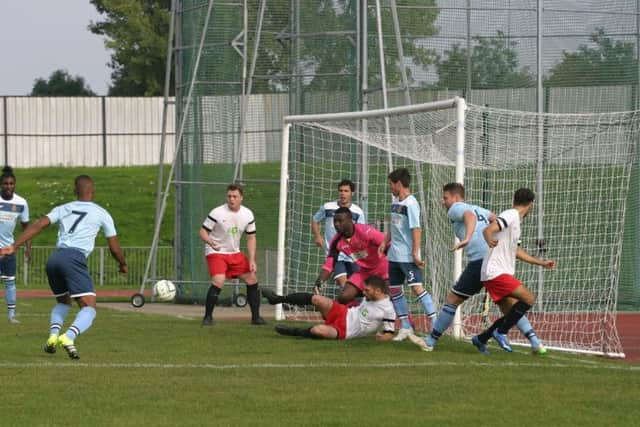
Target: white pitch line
{"points": [[171, 366]]}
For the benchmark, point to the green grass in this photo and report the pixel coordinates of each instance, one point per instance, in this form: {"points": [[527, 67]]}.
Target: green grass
{"points": [[153, 370], [128, 193]]}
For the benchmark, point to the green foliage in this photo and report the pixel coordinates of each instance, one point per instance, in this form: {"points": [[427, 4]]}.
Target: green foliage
{"points": [[608, 63], [137, 32], [61, 83], [152, 370], [494, 65]]}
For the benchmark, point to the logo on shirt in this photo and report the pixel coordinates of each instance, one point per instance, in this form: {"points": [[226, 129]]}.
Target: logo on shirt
{"points": [[233, 230], [364, 312], [359, 255]]}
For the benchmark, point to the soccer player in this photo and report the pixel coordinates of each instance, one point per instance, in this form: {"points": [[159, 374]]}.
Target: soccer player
{"points": [[498, 268], [359, 242], [405, 262], [468, 221], [221, 231], [78, 224], [342, 322], [12, 209], [344, 266]]}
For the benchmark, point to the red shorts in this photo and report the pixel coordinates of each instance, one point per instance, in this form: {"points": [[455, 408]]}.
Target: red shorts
{"points": [[501, 286], [357, 278], [231, 265], [337, 317]]}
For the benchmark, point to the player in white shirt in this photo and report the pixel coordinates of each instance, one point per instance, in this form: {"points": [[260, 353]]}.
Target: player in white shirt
{"points": [[344, 266], [468, 221], [498, 269], [375, 315], [221, 231], [78, 225], [13, 208]]}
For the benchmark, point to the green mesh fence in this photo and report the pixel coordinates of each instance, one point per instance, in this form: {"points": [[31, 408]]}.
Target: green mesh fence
{"points": [[310, 59]]}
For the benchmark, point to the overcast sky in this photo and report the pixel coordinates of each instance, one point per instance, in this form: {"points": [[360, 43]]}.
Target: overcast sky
{"points": [[40, 36]]}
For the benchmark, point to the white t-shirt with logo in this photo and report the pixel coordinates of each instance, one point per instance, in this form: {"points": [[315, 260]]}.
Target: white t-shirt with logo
{"points": [[367, 318], [226, 228]]}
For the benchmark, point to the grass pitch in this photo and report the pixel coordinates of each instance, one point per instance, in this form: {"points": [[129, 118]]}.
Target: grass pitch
{"points": [[143, 370]]}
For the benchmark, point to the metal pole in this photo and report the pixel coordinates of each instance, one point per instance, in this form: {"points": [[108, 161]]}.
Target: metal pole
{"points": [[163, 136], [245, 103], [179, 137], [282, 215], [104, 130], [364, 86], [6, 130], [540, 156], [383, 81], [468, 85]]}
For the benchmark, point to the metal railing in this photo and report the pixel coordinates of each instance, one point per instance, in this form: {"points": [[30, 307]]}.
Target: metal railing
{"points": [[104, 269]]}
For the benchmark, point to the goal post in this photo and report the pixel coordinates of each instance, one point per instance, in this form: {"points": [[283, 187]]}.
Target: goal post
{"points": [[578, 164], [298, 165]]}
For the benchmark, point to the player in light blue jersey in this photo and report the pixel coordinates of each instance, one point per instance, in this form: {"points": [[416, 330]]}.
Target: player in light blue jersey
{"points": [[468, 221], [78, 224], [344, 267], [405, 261], [13, 208]]}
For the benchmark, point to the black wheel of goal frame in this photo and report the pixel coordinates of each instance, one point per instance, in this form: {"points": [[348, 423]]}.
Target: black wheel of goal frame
{"points": [[137, 300]]}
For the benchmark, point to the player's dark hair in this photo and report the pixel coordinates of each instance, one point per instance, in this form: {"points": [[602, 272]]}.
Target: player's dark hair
{"points": [[402, 175], [376, 281], [348, 182], [7, 172], [523, 197], [343, 210], [81, 180], [454, 188], [235, 187]]}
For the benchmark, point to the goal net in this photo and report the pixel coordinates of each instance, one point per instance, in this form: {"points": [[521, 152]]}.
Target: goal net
{"points": [[579, 165]]}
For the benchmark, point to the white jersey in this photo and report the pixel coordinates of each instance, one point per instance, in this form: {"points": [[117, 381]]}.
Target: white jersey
{"points": [[12, 211], [502, 258], [367, 318], [226, 227]]}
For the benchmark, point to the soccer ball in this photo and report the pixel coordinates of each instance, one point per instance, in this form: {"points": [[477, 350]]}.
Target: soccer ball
{"points": [[164, 290]]}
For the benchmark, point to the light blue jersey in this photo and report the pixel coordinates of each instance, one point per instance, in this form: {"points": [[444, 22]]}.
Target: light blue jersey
{"points": [[79, 222], [12, 211], [326, 212], [477, 247], [405, 216]]}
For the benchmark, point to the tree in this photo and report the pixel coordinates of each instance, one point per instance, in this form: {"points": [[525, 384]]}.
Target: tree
{"points": [[608, 63], [61, 83], [137, 32], [494, 64]]}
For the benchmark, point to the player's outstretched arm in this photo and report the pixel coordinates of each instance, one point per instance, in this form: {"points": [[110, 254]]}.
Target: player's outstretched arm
{"points": [[522, 255], [30, 232], [317, 237]]}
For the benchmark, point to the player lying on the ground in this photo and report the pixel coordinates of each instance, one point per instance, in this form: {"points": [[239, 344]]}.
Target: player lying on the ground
{"points": [[341, 322]]}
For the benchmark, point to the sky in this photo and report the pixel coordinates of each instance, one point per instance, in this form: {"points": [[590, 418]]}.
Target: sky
{"points": [[38, 37]]}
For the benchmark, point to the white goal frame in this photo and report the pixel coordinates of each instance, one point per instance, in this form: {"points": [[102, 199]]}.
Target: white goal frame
{"points": [[458, 103]]}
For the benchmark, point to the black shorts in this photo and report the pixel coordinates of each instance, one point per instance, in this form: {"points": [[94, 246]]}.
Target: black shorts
{"points": [[8, 266], [469, 283]]}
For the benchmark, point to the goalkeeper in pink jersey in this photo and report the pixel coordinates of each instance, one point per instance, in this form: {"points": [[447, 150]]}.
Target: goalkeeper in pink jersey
{"points": [[360, 242]]}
